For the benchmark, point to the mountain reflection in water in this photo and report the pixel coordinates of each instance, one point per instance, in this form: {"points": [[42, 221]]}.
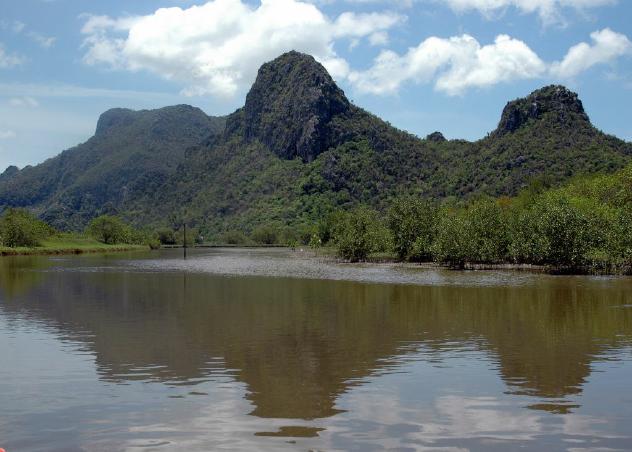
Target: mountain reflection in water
{"points": [[248, 361]]}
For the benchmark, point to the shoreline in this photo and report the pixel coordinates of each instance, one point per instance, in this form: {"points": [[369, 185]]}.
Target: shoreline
{"points": [[596, 270], [327, 255], [51, 251]]}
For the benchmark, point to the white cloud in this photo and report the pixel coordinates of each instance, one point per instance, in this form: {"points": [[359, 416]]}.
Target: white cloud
{"points": [[17, 26], [607, 46], [458, 63], [216, 48], [44, 41], [9, 60], [550, 11], [25, 101], [379, 38], [455, 64], [6, 134]]}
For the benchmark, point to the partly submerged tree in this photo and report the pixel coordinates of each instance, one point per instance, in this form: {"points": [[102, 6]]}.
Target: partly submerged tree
{"points": [[412, 223], [359, 233]]}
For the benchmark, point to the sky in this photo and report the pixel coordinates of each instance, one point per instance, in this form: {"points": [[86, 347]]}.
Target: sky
{"points": [[422, 65]]}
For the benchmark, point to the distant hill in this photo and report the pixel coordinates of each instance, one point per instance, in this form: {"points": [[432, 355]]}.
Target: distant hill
{"points": [[131, 153], [297, 150]]}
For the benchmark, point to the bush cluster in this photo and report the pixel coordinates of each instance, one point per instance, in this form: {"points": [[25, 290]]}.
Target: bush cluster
{"points": [[585, 225], [111, 230], [19, 228]]}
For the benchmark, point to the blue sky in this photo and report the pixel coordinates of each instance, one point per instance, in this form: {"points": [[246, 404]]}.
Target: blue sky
{"points": [[423, 65]]}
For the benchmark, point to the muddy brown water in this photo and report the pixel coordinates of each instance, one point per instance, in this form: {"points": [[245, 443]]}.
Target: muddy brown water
{"points": [[259, 349]]}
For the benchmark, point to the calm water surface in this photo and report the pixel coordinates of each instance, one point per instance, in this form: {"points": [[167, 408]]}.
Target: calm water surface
{"points": [[273, 350]]}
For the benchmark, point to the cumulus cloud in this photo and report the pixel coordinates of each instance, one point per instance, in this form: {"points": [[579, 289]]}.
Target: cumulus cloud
{"points": [[550, 11], [456, 64], [8, 60], [216, 48], [606, 46]]}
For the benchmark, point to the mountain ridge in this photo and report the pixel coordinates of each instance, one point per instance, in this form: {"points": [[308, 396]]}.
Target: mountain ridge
{"points": [[296, 150]]}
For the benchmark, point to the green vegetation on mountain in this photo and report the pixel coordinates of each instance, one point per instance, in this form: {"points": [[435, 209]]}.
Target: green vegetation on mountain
{"points": [[131, 154], [296, 152]]}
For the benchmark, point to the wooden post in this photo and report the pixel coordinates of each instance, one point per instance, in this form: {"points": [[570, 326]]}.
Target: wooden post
{"points": [[185, 240]]}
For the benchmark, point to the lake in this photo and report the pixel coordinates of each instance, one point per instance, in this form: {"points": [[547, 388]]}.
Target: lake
{"points": [[269, 349]]}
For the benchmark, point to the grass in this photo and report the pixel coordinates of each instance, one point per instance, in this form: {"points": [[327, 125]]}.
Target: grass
{"points": [[69, 244]]}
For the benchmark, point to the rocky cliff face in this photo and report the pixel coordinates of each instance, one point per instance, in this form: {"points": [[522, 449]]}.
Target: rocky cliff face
{"points": [[554, 101], [290, 106], [436, 137]]}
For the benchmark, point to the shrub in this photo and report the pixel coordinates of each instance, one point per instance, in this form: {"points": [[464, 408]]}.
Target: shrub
{"points": [[359, 233], [265, 235], [451, 242], [325, 229], [233, 238], [144, 237], [193, 236], [166, 236], [109, 230], [618, 238], [488, 231], [554, 231], [477, 234], [412, 223], [20, 228]]}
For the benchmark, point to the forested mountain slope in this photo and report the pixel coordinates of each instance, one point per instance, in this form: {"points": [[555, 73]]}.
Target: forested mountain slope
{"points": [[131, 152], [297, 150]]}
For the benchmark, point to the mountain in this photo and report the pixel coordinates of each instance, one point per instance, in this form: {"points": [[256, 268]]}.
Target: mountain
{"points": [[131, 153], [297, 150], [547, 135], [291, 108]]}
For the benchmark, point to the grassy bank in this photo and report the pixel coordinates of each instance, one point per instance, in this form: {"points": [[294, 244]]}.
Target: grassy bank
{"points": [[69, 244]]}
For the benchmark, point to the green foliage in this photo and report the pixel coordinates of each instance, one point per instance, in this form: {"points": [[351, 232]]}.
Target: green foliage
{"points": [[476, 234], [19, 228], [315, 241], [412, 223], [193, 236], [233, 238], [265, 235], [618, 238], [166, 236], [586, 224], [270, 166], [304, 233], [326, 227], [452, 245], [116, 172], [359, 233], [555, 231], [109, 230]]}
